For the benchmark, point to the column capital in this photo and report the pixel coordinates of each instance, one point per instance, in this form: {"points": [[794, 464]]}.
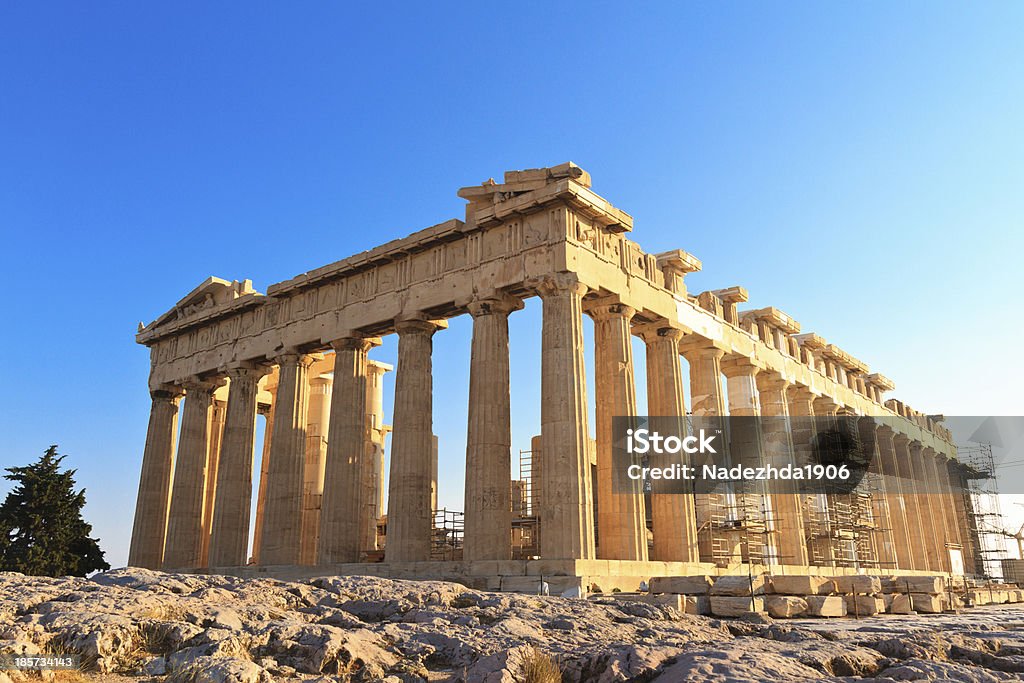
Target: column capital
{"points": [[196, 385], [496, 303], [607, 308], [801, 392], [694, 347], [170, 393], [884, 431], [419, 324], [557, 283], [294, 357], [772, 381], [739, 366], [355, 342], [653, 332], [253, 370]]}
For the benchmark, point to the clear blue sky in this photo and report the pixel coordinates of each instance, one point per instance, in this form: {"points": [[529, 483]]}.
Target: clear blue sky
{"points": [[858, 165]]}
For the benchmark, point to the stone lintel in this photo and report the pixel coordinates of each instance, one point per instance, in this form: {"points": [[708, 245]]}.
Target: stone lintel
{"points": [[881, 381], [679, 261], [732, 295], [836, 354], [774, 317], [811, 341], [733, 366]]}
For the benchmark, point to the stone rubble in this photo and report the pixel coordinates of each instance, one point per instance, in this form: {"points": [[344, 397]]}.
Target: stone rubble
{"points": [[144, 625]]}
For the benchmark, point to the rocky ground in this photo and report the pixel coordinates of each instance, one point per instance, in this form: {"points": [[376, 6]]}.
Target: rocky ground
{"points": [[142, 625]]}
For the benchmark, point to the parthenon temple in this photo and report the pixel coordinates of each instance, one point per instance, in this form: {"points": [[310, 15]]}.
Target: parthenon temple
{"points": [[328, 501]]}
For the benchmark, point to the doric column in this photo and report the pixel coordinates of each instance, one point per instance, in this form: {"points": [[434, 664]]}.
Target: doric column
{"points": [[741, 380], [261, 493], [708, 406], [935, 501], [868, 429], [229, 535], [147, 549], [567, 524], [373, 464], [282, 517], [921, 532], [488, 516], [343, 508], [673, 515], [947, 503], [218, 414], [621, 519], [896, 496], [787, 517], [409, 514], [314, 471], [184, 545]]}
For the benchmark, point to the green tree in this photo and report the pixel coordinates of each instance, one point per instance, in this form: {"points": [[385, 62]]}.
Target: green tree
{"points": [[41, 527]]}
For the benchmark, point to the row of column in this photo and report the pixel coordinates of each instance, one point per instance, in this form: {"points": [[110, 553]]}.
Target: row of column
{"points": [[567, 530]]}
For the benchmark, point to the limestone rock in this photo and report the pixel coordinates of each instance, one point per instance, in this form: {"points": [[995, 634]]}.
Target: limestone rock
{"points": [[684, 585], [736, 586], [858, 584], [864, 605], [730, 606], [825, 606], [900, 604], [918, 584], [801, 585], [785, 606], [924, 602]]}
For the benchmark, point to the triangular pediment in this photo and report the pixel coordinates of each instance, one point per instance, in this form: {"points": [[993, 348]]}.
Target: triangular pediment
{"points": [[211, 294]]}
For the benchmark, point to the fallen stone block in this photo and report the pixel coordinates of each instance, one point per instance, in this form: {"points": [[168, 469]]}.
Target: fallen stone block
{"points": [[950, 602], [801, 585], [866, 585], [926, 603], [919, 584], [864, 605], [738, 586], [696, 604], [825, 606], [900, 604], [730, 606], [785, 606], [979, 597], [663, 600], [684, 585]]}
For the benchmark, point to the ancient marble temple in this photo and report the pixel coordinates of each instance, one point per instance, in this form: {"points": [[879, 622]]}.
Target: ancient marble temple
{"points": [[299, 355]]}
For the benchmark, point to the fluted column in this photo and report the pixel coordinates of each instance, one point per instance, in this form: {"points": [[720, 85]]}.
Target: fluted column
{"points": [[935, 502], [488, 520], [868, 429], [567, 524], [621, 518], [147, 548], [896, 494], [947, 503], [673, 516], [282, 517], [409, 513], [229, 536], [342, 510], [261, 492], [708, 406], [908, 454], [787, 518], [184, 544]]}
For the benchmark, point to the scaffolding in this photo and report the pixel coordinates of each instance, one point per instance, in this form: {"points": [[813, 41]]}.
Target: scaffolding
{"points": [[447, 534], [842, 528], [526, 515], [984, 517]]}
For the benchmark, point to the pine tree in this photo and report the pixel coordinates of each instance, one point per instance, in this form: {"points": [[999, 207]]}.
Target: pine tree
{"points": [[42, 532]]}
